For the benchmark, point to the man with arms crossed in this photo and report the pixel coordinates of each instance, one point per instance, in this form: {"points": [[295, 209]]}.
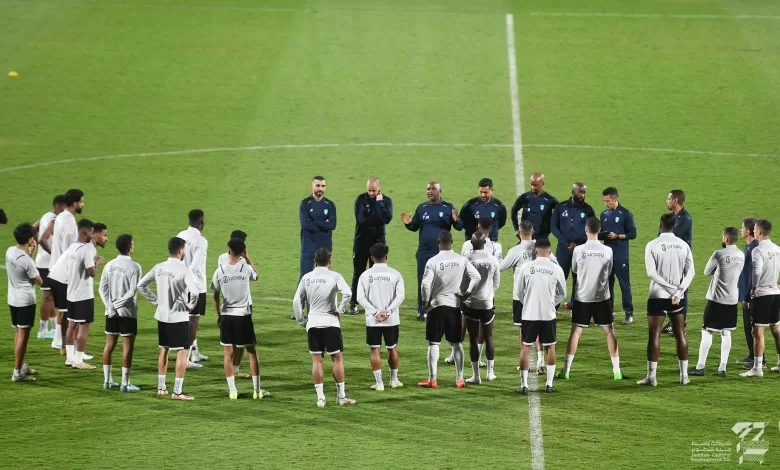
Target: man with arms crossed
{"points": [[45, 227]]}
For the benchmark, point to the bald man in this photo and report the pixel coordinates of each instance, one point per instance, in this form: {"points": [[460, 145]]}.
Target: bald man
{"points": [[568, 226], [535, 206], [373, 210], [430, 218]]}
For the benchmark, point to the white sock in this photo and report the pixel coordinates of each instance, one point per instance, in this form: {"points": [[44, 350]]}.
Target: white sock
{"points": [[52, 323], [704, 348], [195, 346], [550, 374], [683, 368], [539, 357], [725, 348], [231, 383], [17, 372], [433, 361], [457, 357], [256, 383], [178, 385], [43, 326], [161, 382], [394, 375], [615, 364], [758, 363], [125, 376], [652, 367], [490, 363], [320, 389], [481, 348], [524, 378], [567, 364], [451, 357], [107, 373], [78, 356], [378, 377], [475, 369], [57, 335], [235, 369], [340, 390], [69, 349]]}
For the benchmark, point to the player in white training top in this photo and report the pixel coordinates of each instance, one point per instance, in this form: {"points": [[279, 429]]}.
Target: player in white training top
{"points": [[380, 291], [118, 287], [195, 258], [224, 258], [22, 277], [45, 228], [592, 263], [177, 295]]}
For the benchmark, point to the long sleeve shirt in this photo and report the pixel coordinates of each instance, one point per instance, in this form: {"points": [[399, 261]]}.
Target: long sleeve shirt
{"points": [[516, 257], [430, 219], [536, 209], [619, 221], [746, 276], [443, 276], [371, 216], [319, 289], [725, 267], [474, 208], [119, 287], [318, 221], [669, 265], [232, 281], [766, 268], [542, 287], [481, 297], [592, 264], [195, 255], [494, 248], [177, 291], [568, 222], [683, 226], [381, 289]]}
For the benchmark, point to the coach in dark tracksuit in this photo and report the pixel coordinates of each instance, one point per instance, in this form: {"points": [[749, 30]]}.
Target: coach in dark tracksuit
{"points": [[617, 227], [317, 215], [535, 206], [429, 219], [683, 228], [746, 286], [373, 210], [486, 205], [568, 226]]}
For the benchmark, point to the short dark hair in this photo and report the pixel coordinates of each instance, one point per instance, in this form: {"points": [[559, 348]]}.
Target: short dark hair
{"points": [[485, 222], [195, 215], [237, 246], [3, 217], [74, 196], [176, 244], [610, 191], [60, 200], [322, 257], [667, 222], [592, 225], [526, 226], [318, 178], [750, 225], [543, 243], [445, 237], [765, 226], [477, 242], [123, 243], [85, 223], [23, 233], [379, 251], [679, 195], [731, 234], [486, 183], [99, 227], [238, 234]]}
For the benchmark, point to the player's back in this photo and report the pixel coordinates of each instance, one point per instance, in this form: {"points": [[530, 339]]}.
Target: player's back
{"points": [[766, 268], [592, 263], [233, 281], [488, 268], [121, 276], [543, 288], [381, 284], [668, 254], [446, 270]]}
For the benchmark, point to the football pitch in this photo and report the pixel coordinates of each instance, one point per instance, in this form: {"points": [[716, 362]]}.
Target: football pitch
{"points": [[156, 107]]}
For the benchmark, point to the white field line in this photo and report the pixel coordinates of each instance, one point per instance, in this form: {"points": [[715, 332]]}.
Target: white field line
{"points": [[655, 15], [534, 405]]}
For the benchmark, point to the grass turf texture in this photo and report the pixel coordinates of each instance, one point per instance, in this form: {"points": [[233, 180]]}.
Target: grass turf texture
{"points": [[108, 78]]}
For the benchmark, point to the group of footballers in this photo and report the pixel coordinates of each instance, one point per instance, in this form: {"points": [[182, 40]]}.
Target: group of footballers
{"points": [[456, 291]]}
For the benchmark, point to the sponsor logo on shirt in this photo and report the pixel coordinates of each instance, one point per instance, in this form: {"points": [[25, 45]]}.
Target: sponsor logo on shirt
{"points": [[226, 279], [448, 265], [592, 254], [675, 246], [736, 259], [373, 278], [117, 268], [316, 280], [565, 213], [161, 272], [542, 271]]}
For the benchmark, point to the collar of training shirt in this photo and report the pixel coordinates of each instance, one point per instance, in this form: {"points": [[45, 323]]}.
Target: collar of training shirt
{"points": [[667, 235], [592, 243], [321, 268], [176, 260], [123, 257], [193, 230]]}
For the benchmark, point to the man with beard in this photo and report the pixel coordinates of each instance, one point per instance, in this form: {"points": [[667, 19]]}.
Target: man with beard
{"points": [[483, 206], [536, 206], [683, 229], [45, 227]]}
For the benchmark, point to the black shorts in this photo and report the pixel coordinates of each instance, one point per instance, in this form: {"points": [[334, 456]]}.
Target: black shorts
{"points": [[22, 317], [82, 311], [44, 273], [200, 307], [766, 310], [517, 313], [375, 334], [322, 340], [445, 322], [484, 317], [173, 336], [544, 330], [236, 331], [121, 326], [600, 312], [60, 293], [663, 307], [719, 316]]}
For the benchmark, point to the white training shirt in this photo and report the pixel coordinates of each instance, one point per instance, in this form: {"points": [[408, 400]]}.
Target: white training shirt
{"points": [[60, 270], [232, 280], [542, 287], [319, 289], [516, 257], [224, 259], [491, 247], [177, 291], [669, 264], [381, 289], [725, 267], [766, 268], [118, 287], [21, 272], [66, 233], [81, 286], [592, 264], [487, 266], [443, 276], [43, 257], [195, 255]]}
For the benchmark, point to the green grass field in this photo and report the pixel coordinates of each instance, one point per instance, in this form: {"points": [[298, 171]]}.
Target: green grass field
{"points": [[233, 107]]}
